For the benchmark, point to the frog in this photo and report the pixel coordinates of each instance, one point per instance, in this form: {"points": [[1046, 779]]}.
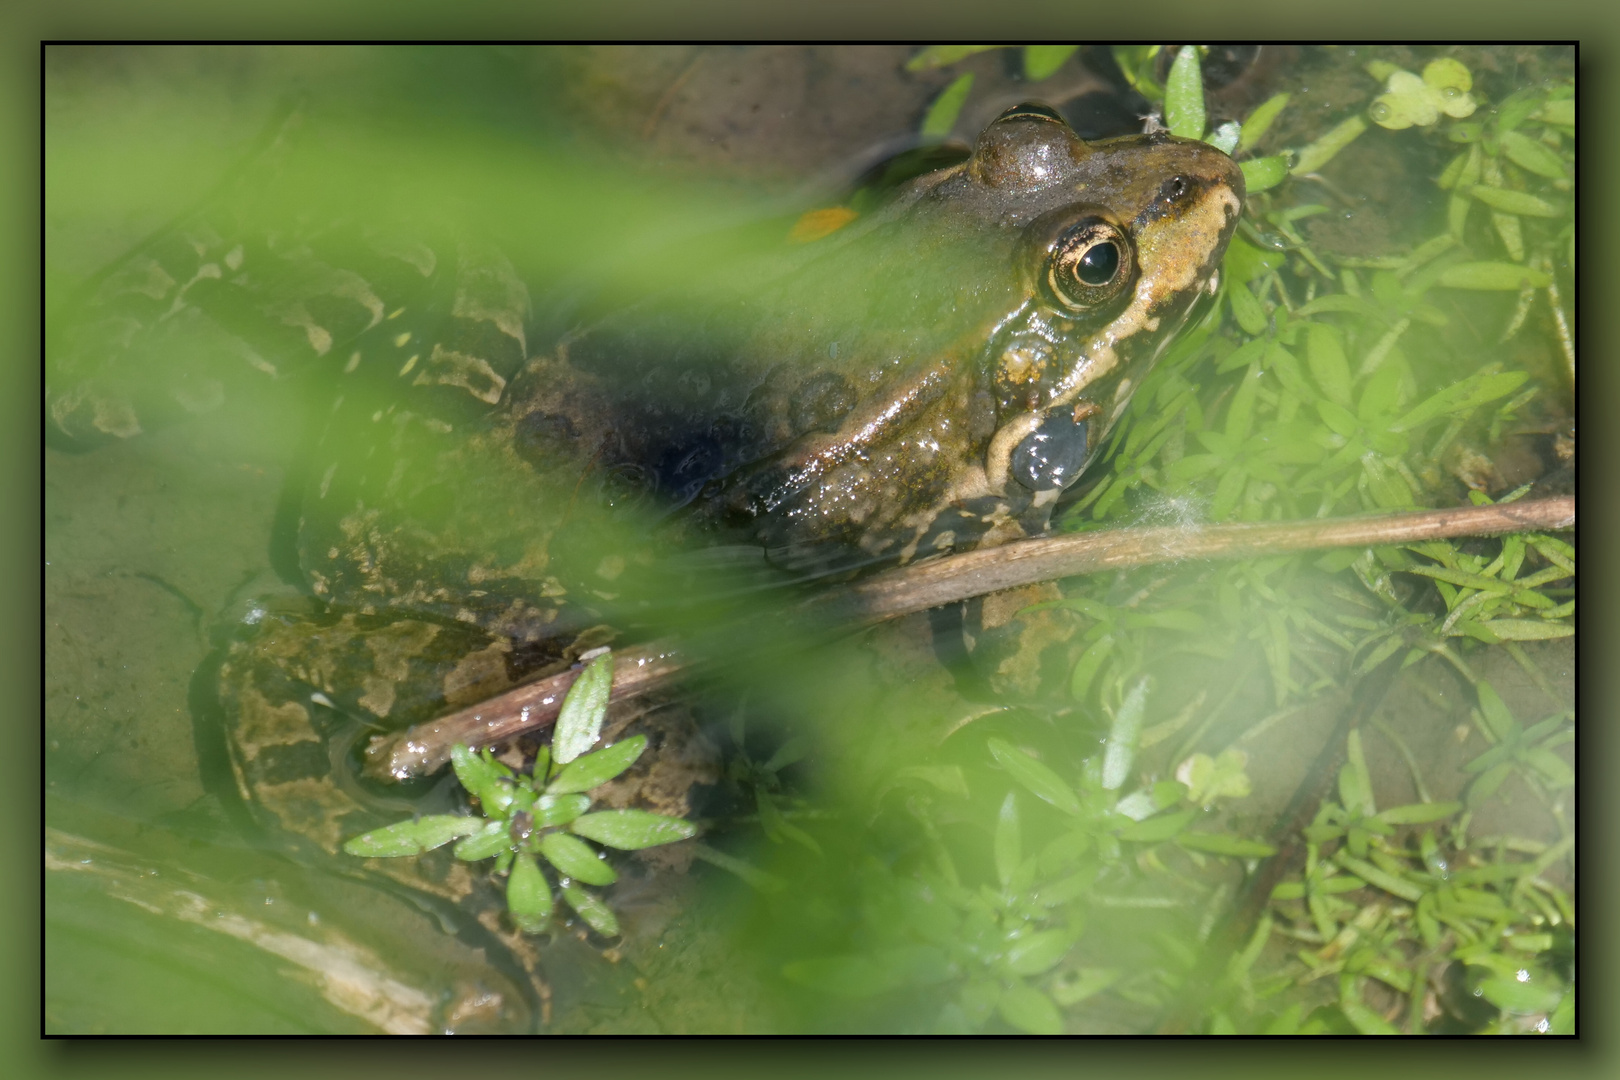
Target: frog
{"points": [[481, 507]]}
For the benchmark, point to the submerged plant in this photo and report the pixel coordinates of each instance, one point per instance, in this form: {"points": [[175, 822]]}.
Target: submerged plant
{"points": [[542, 814]]}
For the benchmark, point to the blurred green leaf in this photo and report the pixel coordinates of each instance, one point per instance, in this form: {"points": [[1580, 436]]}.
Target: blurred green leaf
{"points": [[1035, 777], [1027, 1009], [1225, 844], [938, 56], [1514, 202], [1042, 61], [1520, 997], [1532, 155], [1561, 112], [1157, 829], [1527, 629], [942, 114], [1419, 813], [1035, 953], [1120, 751], [1462, 396], [1009, 848]]}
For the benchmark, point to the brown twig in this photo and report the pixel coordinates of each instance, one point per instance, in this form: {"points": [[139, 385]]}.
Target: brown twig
{"points": [[907, 590]]}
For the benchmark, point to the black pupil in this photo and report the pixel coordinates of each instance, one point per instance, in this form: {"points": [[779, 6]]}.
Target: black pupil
{"points": [[1099, 264]]}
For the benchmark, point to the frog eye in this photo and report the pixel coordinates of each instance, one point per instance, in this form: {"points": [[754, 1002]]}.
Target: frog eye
{"points": [[1091, 263]]}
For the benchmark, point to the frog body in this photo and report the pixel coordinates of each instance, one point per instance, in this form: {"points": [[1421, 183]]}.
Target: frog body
{"points": [[929, 378]]}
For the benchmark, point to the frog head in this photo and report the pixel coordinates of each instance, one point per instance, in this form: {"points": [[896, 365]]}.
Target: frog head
{"points": [[986, 328]]}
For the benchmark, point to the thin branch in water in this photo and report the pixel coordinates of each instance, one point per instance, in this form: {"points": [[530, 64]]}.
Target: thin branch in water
{"points": [[425, 748]]}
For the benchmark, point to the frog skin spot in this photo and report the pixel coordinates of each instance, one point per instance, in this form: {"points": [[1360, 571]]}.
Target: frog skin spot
{"points": [[261, 724], [479, 676], [312, 807], [394, 646], [320, 338], [447, 367]]}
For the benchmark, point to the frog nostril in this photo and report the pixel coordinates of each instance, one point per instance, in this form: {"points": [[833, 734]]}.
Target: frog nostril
{"points": [[1053, 454], [1174, 188]]}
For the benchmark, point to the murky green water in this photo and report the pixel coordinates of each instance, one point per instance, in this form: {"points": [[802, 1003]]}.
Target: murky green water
{"points": [[162, 917]]}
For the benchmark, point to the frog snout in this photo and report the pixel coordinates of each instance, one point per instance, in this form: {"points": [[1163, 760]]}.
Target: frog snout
{"points": [[1051, 456]]}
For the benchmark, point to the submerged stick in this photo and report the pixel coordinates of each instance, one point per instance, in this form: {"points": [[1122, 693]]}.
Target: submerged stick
{"points": [[907, 590]]}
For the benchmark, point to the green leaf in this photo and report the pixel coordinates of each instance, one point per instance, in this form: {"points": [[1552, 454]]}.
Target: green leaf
{"points": [[1418, 813], [528, 896], [580, 720], [551, 810], [1123, 736], [843, 976], [1407, 102], [595, 769], [1034, 953], [938, 56], [1532, 155], [1009, 848], [1042, 61], [1027, 1009], [493, 839], [413, 837], [947, 779], [1561, 112], [1527, 629], [1157, 829], [942, 114], [597, 915], [795, 749], [576, 859], [1244, 262], [1263, 174], [1563, 1017], [1497, 715], [1514, 202], [481, 778], [1365, 1020], [1246, 309], [1320, 152], [630, 830], [1035, 777], [1325, 356], [1520, 997], [1225, 844], [1460, 397], [1184, 95], [1355, 780], [1554, 769], [1225, 137], [1259, 122]]}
